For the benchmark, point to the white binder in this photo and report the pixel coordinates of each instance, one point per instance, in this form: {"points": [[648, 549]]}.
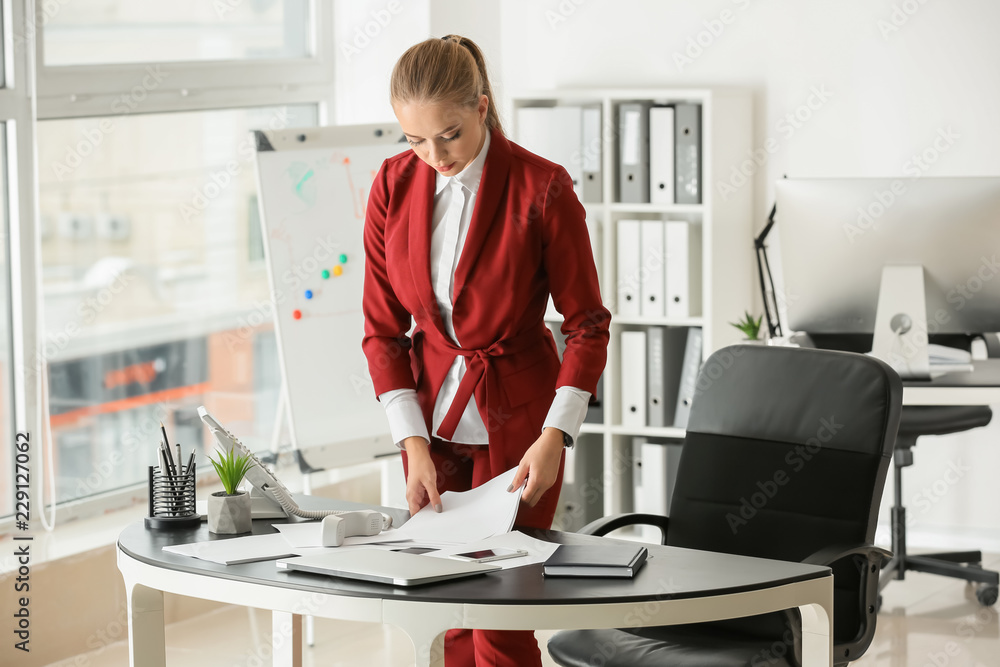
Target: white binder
{"points": [[652, 267], [593, 182], [555, 133], [678, 288], [629, 273], [661, 155], [633, 356]]}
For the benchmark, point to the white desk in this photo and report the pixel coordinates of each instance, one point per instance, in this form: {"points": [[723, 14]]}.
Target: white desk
{"points": [[980, 387], [675, 586]]}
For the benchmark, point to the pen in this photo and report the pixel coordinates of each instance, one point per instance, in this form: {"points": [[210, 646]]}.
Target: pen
{"points": [[179, 460], [163, 429], [171, 470], [190, 465]]}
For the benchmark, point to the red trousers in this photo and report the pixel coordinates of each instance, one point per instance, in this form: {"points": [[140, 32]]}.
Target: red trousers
{"points": [[460, 468]]}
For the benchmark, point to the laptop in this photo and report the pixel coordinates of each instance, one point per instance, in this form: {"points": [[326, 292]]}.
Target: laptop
{"points": [[385, 567]]}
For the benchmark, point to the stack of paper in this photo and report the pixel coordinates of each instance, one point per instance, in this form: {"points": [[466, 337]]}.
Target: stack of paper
{"points": [[237, 549], [467, 517]]}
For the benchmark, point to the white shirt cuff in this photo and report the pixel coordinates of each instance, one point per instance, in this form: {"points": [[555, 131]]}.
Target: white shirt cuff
{"points": [[406, 419], [568, 410]]}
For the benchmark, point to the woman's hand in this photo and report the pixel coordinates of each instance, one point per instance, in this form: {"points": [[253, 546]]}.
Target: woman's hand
{"points": [[540, 465], [421, 477]]}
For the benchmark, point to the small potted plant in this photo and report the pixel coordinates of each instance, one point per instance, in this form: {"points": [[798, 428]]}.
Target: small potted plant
{"points": [[229, 510], [750, 328]]}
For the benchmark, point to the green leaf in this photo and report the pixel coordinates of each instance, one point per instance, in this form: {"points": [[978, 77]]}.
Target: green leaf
{"points": [[231, 469]]}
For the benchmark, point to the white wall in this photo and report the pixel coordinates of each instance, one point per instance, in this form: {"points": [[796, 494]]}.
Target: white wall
{"points": [[887, 91]]}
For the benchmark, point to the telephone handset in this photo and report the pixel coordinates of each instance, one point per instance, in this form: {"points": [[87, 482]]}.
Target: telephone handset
{"points": [[272, 492]]}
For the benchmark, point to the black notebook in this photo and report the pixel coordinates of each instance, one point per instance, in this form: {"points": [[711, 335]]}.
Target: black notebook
{"points": [[599, 560]]}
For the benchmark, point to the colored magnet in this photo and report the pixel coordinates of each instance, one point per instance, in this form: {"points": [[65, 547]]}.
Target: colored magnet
{"points": [[343, 259], [337, 270], [325, 274], [297, 314], [309, 294]]}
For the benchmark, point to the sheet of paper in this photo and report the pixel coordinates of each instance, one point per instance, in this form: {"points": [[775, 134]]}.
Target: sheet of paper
{"points": [[310, 534], [237, 549], [538, 550], [467, 516]]}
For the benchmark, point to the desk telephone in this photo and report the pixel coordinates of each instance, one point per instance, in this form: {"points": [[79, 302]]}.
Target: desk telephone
{"points": [[271, 499]]}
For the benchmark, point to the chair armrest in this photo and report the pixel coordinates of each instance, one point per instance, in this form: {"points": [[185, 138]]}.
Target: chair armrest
{"points": [[606, 524], [992, 341], [869, 569], [831, 554]]}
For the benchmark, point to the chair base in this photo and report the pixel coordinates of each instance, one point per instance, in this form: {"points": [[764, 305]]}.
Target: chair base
{"points": [[965, 565]]}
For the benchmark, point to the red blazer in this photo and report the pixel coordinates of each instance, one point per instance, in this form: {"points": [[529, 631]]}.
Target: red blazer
{"points": [[527, 237]]}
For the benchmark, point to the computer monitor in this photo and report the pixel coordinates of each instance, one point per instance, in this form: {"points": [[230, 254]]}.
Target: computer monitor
{"points": [[838, 234]]}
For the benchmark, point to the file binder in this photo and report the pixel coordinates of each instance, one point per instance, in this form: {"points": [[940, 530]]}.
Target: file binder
{"points": [[593, 185], [664, 358], [629, 259], [555, 133], [652, 267], [633, 153], [687, 142], [595, 411], [689, 377], [633, 356], [655, 465], [661, 155], [678, 285]]}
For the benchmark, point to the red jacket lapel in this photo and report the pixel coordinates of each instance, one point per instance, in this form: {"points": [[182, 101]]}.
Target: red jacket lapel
{"points": [[491, 187], [421, 211]]}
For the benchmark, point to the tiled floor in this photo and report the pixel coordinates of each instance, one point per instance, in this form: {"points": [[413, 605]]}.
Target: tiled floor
{"points": [[926, 621]]}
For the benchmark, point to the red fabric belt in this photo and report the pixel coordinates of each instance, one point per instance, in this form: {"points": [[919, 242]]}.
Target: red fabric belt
{"points": [[478, 368]]}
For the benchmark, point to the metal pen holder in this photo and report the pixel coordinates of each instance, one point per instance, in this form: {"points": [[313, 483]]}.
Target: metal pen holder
{"points": [[172, 499]]}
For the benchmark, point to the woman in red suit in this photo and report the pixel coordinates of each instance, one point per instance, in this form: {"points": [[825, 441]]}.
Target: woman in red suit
{"points": [[469, 234]]}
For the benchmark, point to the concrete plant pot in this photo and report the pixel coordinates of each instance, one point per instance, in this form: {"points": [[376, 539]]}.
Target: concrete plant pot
{"points": [[229, 515]]}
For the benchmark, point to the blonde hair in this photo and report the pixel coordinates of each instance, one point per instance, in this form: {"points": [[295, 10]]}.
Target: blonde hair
{"points": [[451, 69]]}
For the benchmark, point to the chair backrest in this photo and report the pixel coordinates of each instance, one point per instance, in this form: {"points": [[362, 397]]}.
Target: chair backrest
{"points": [[787, 451]]}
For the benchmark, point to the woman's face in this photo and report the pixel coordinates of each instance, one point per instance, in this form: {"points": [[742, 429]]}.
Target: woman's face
{"points": [[445, 136]]}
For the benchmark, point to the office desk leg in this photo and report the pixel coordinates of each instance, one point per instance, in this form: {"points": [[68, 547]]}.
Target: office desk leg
{"points": [[146, 644], [286, 639], [817, 635], [425, 626]]}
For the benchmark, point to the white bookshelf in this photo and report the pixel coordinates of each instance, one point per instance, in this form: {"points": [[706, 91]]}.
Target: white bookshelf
{"points": [[726, 234]]}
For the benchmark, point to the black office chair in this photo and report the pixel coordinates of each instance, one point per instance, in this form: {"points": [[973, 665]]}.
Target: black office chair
{"points": [[934, 420], [916, 421], [786, 455]]}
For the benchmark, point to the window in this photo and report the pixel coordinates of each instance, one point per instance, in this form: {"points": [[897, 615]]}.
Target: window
{"points": [[154, 300], [88, 32], [6, 379]]}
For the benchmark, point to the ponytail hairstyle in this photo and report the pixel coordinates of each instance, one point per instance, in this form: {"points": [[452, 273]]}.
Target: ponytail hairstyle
{"points": [[451, 70]]}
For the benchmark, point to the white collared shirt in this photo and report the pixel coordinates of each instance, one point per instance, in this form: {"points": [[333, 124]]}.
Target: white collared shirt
{"points": [[454, 202]]}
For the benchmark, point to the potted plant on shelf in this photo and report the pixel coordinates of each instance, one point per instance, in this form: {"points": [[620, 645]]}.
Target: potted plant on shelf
{"points": [[229, 510], [750, 328]]}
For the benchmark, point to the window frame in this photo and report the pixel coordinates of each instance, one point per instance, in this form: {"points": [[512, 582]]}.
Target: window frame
{"points": [[37, 92], [74, 91]]}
